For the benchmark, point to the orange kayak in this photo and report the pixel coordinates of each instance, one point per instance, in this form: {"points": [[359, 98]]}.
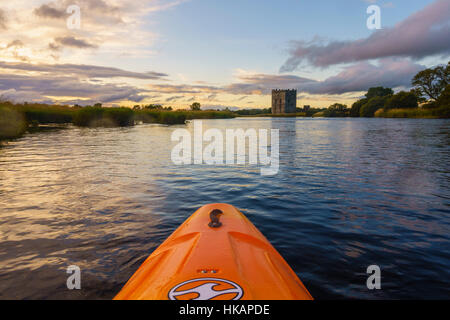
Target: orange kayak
{"points": [[216, 254]]}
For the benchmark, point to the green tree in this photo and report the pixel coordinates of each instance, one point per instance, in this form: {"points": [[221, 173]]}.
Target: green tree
{"points": [[429, 83], [196, 106], [336, 110], [444, 98], [154, 107], [378, 92], [356, 107], [418, 94], [368, 109], [401, 100]]}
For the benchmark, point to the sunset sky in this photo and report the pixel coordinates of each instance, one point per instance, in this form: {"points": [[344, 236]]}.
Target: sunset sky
{"points": [[227, 53]]}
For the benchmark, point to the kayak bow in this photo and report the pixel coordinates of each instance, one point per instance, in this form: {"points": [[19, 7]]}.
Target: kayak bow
{"points": [[216, 254]]}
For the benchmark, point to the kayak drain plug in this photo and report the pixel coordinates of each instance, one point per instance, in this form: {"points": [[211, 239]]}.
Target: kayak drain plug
{"points": [[214, 215]]}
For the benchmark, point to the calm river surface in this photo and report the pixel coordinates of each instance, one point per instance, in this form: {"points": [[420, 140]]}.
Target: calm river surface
{"points": [[350, 193]]}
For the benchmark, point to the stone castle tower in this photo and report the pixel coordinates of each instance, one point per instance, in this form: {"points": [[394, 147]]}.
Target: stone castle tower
{"points": [[284, 101]]}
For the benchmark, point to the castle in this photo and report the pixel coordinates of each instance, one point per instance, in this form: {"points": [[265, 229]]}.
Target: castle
{"points": [[284, 101]]}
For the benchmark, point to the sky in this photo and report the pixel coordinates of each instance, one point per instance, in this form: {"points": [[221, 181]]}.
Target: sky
{"points": [[227, 53]]}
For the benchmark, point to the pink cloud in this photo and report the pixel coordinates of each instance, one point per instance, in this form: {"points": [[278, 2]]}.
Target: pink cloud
{"points": [[422, 34]]}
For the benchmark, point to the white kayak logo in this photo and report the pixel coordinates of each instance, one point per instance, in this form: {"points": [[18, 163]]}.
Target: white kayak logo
{"points": [[206, 289]]}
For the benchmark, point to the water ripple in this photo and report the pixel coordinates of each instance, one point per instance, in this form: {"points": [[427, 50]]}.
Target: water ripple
{"points": [[350, 193]]}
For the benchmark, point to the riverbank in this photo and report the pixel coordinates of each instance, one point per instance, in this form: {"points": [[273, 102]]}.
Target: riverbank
{"points": [[416, 113], [16, 119], [270, 115], [12, 124]]}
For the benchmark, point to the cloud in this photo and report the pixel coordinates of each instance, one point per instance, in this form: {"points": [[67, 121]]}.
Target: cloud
{"points": [[21, 96], [392, 73], [80, 70], [15, 43], [2, 19], [164, 5], [70, 41], [31, 88], [184, 88], [13, 49], [118, 29], [422, 34], [89, 8], [47, 11], [130, 94], [388, 72], [174, 98], [54, 47], [117, 12], [255, 84], [70, 83], [85, 83]]}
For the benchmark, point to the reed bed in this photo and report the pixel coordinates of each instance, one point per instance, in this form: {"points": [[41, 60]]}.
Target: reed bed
{"points": [[434, 113], [16, 119]]}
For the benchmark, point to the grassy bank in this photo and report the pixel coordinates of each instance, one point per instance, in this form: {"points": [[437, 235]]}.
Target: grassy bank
{"points": [[12, 123], [163, 117], [415, 113], [103, 117], [208, 114], [270, 115], [179, 117], [319, 114], [45, 114], [16, 119]]}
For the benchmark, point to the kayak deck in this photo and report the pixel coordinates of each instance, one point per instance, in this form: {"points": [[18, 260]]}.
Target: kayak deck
{"points": [[228, 259]]}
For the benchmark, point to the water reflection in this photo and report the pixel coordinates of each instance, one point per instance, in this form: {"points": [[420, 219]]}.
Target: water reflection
{"points": [[349, 193]]}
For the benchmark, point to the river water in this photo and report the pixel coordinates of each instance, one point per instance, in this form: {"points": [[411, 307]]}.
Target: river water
{"points": [[349, 193]]}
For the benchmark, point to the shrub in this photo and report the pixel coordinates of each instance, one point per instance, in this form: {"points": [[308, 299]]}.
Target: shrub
{"points": [[404, 100], [430, 105], [88, 116], [356, 107], [162, 117], [444, 98], [12, 123], [168, 117], [369, 108], [336, 110], [103, 117], [45, 114], [378, 92], [121, 117], [441, 112]]}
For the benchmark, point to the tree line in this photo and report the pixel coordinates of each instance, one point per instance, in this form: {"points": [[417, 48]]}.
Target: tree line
{"points": [[430, 90]]}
